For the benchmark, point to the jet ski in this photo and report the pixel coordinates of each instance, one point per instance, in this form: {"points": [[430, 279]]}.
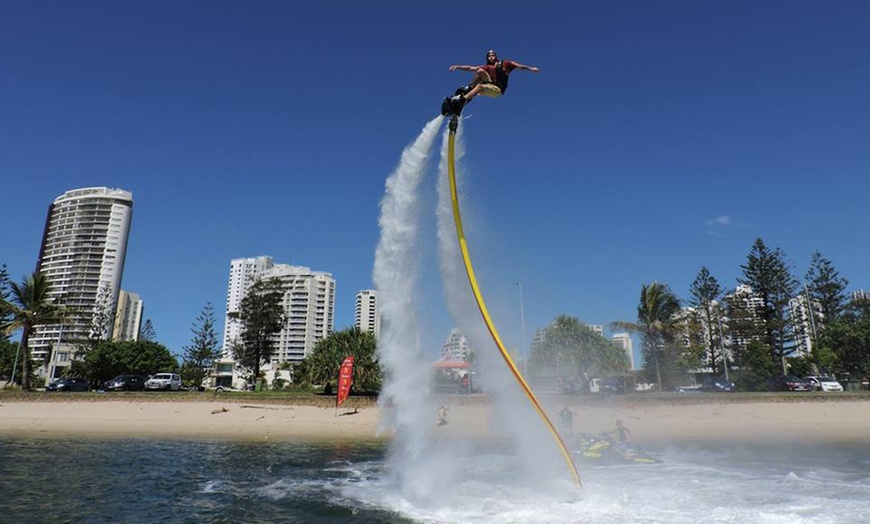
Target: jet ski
{"points": [[605, 450]]}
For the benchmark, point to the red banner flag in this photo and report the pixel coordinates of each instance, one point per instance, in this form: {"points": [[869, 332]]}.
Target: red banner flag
{"points": [[345, 379]]}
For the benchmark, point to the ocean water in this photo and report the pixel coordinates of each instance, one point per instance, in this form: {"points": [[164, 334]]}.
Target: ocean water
{"points": [[75, 481]]}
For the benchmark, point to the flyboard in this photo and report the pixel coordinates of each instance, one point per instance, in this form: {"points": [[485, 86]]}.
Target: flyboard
{"points": [[453, 111]]}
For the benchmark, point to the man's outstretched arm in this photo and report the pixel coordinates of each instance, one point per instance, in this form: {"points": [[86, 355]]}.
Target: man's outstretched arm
{"points": [[533, 69], [463, 68]]}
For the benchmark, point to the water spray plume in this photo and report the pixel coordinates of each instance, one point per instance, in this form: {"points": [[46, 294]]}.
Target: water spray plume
{"points": [[511, 413], [485, 314], [396, 277], [426, 468]]}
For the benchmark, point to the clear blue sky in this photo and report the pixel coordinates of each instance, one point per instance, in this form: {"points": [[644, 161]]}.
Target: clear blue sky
{"points": [[659, 137]]}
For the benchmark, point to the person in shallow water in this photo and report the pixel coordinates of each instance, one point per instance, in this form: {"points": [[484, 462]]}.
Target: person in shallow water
{"points": [[623, 434], [566, 421], [442, 415]]}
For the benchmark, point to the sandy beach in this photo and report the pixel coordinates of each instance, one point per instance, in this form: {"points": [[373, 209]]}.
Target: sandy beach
{"points": [[205, 419], [658, 421]]}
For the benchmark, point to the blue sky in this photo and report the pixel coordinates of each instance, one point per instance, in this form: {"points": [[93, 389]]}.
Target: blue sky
{"points": [[659, 137]]}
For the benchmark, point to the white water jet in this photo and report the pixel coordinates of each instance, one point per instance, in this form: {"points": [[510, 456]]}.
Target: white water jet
{"points": [[404, 399]]}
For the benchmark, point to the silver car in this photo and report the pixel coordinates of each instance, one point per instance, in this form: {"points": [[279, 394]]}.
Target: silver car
{"points": [[164, 381], [823, 383]]}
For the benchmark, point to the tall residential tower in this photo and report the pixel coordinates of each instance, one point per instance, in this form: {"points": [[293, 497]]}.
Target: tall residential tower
{"points": [[365, 316], [243, 273], [309, 307], [82, 254], [128, 318]]}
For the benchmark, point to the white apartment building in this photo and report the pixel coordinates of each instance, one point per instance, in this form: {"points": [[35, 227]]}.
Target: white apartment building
{"points": [[623, 340], [541, 334], [128, 318], [84, 245], [366, 317], [750, 299], [537, 340], [456, 346], [752, 303], [243, 273], [309, 305]]}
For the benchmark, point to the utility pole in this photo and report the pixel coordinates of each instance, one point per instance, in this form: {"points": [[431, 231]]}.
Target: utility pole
{"points": [[523, 327], [810, 310], [722, 344], [812, 340], [15, 363]]}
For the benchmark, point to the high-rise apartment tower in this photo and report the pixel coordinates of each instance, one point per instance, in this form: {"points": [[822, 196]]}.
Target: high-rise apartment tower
{"points": [[309, 305], [243, 273], [82, 254], [128, 318], [366, 317]]}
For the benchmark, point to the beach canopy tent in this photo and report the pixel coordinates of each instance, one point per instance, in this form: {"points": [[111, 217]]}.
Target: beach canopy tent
{"points": [[450, 363]]}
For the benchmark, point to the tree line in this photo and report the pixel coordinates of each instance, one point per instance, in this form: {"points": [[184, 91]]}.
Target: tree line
{"points": [[750, 332], [756, 330]]}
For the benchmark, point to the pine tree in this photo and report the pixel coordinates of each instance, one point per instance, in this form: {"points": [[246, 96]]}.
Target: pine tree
{"points": [[768, 273], [705, 292], [147, 332], [200, 355], [5, 316], [827, 290], [102, 323], [261, 315]]}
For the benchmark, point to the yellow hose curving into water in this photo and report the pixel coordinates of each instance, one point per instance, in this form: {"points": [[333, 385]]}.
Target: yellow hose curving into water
{"points": [[463, 246]]}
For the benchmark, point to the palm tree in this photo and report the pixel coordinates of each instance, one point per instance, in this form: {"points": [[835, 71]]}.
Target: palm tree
{"points": [[30, 306], [656, 319], [322, 364]]}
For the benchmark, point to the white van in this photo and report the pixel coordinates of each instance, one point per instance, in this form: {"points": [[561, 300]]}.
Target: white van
{"points": [[164, 381]]}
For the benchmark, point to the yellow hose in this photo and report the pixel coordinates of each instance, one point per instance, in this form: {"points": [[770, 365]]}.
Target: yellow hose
{"points": [[463, 246]]}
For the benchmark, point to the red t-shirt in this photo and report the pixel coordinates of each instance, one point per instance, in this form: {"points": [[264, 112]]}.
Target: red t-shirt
{"points": [[507, 65]]}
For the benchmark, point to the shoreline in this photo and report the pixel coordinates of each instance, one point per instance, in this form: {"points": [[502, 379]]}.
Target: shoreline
{"points": [[814, 419]]}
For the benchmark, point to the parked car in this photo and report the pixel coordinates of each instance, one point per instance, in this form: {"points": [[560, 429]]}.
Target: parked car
{"points": [[608, 385], [717, 384], [823, 383], [125, 383], [787, 383], [222, 388], [69, 384], [709, 384], [164, 381]]}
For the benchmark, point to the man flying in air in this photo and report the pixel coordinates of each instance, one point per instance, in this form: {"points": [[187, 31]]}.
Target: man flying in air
{"points": [[490, 80]]}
